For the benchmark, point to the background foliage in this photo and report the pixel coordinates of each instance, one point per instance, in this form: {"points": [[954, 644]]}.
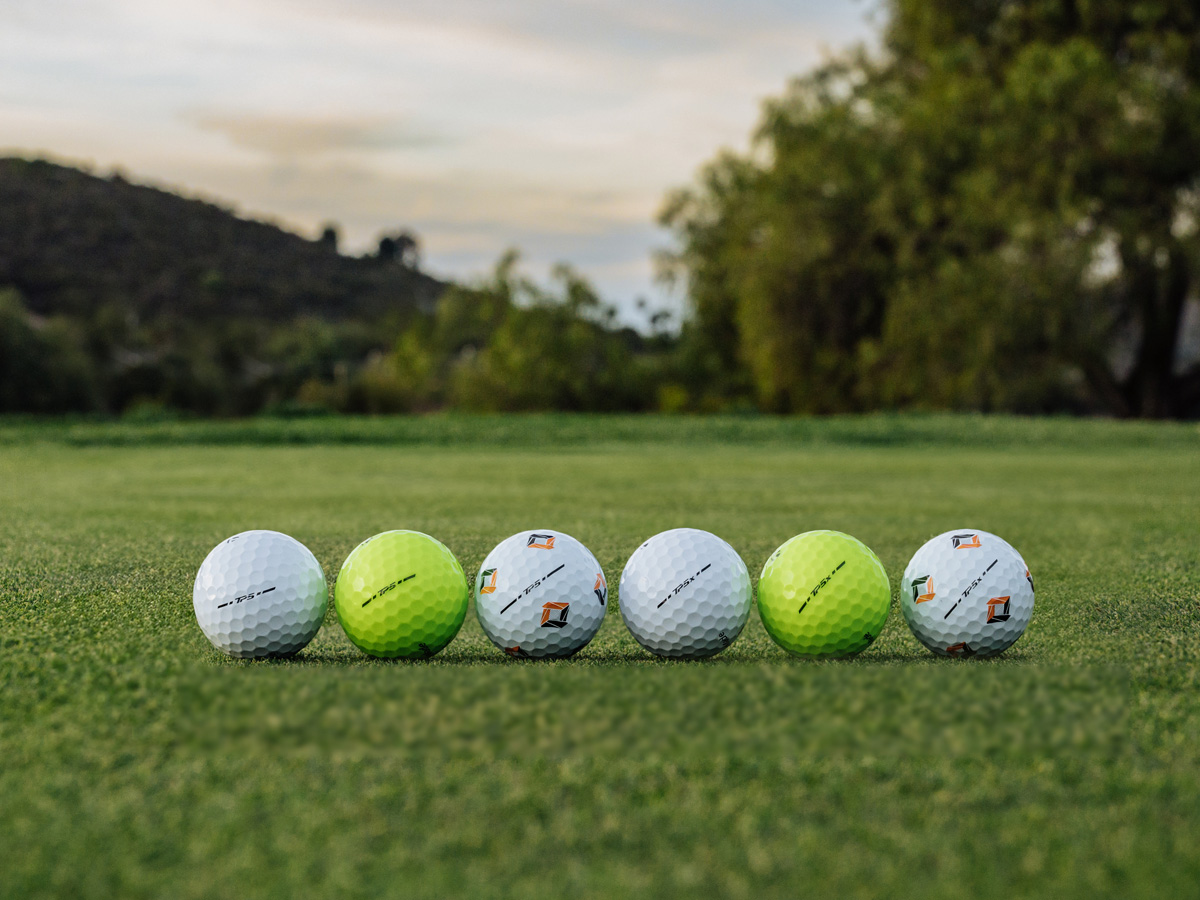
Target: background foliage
{"points": [[996, 209]]}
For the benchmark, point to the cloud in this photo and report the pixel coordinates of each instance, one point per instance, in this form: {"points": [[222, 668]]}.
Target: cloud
{"points": [[632, 28], [285, 135]]}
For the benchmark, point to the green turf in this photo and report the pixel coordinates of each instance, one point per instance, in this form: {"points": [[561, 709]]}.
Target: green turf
{"points": [[137, 762]]}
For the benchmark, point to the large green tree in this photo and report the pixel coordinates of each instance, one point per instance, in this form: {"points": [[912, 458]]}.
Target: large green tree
{"points": [[996, 210]]}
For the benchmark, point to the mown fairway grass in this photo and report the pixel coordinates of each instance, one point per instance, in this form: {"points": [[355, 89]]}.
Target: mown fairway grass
{"points": [[137, 762]]}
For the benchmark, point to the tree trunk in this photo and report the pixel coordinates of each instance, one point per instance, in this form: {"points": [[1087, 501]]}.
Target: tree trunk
{"points": [[1159, 295]]}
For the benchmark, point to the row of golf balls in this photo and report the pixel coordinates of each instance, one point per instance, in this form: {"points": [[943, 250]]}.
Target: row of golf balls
{"points": [[684, 594]]}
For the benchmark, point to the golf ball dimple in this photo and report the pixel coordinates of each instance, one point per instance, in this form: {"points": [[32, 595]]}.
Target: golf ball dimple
{"points": [[967, 593], [260, 594], [540, 594], [824, 595], [401, 594], [685, 593]]}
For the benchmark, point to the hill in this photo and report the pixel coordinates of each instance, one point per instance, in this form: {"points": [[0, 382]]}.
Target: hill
{"points": [[72, 242], [115, 296]]}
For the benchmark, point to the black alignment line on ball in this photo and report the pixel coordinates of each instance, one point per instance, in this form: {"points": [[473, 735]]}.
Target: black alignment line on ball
{"points": [[682, 586], [972, 587], [389, 587], [531, 587], [244, 597]]}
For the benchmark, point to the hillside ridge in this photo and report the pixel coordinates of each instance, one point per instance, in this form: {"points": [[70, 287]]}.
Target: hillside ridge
{"points": [[72, 242]]}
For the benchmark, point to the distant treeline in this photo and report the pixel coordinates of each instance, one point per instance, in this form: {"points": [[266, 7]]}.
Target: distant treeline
{"points": [[998, 209], [127, 298]]}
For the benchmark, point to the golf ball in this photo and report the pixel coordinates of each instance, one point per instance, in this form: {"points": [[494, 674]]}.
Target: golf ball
{"points": [[967, 593], [401, 594], [824, 595], [260, 593], [540, 594], [685, 593]]}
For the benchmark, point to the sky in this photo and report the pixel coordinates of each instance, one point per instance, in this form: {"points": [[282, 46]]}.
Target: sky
{"points": [[552, 126]]}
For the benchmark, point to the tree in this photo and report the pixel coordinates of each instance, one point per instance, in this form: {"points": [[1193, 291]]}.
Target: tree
{"points": [[1076, 187], [401, 248], [998, 211], [330, 237], [785, 254]]}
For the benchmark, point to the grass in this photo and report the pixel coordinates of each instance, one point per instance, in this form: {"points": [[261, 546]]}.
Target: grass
{"points": [[137, 762], [567, 430]]}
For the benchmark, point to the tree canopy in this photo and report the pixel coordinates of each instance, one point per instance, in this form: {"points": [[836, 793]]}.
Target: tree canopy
{"points": [[996, 210]]}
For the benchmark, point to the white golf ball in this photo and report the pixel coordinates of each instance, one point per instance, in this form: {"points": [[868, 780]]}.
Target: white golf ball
{"points": [[540, 594], [967, 593], [685, 593], [260, 593]]}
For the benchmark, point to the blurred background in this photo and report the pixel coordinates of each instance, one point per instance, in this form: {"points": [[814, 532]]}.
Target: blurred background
{"points": [[296, 207]]}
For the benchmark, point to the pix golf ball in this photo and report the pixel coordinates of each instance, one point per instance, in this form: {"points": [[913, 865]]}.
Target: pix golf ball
{"points": [[540, 594], [824, 595], [967, 593], [260, 593], [685, 593], [401, 594]]}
